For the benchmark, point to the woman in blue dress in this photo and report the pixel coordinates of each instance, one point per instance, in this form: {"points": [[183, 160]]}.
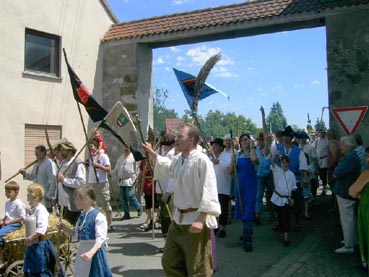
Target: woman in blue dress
{"points": [[91, 233], [246, 181]]}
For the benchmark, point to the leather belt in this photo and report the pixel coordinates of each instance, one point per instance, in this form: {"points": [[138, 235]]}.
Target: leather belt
{"points": [[185, 211], [43, 237]]}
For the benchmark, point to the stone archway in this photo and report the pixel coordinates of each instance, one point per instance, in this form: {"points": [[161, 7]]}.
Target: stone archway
{"points": [[127, 47]]}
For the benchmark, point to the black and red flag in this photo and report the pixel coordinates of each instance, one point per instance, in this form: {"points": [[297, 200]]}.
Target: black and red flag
{"points": [[83, 96]]}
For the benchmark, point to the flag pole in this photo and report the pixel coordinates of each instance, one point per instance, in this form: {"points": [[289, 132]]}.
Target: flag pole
{"points": [[236, 176]]}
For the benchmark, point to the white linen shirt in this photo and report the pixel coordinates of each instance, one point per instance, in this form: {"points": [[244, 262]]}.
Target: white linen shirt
{"points": [[42, 219], [284, 183], [126, 170], [102, 175], [14, 209], [221, 172], [166, 184], [194, 186]]}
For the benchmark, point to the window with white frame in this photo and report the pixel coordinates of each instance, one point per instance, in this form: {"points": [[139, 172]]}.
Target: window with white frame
{"points": [[42, 53]]}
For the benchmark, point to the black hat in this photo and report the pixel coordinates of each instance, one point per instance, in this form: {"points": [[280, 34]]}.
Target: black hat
{"points": [[218, 141], [301, 135], [287, 131]]}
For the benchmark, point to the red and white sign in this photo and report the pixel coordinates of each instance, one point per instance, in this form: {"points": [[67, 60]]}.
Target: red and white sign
{"points": [[349, 118]]}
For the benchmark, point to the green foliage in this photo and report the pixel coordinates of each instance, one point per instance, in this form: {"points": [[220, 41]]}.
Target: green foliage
{"points": [[276, 119], [218, 124], [320, 125], [160, 111]]}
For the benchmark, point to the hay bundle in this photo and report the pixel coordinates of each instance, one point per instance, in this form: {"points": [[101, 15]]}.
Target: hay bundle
{"points": [[14, 242], [21, 233]]}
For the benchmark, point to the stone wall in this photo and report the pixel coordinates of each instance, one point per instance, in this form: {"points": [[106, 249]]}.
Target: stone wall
{"points": [[348, 64]]}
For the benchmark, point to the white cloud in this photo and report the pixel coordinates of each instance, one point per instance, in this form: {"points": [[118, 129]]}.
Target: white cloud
{"points": [[315, 83], [201, 54], [277, 88], [174, 49], [180, 59], [167, 68], [223, 72], [159, 60], [179, 2]]}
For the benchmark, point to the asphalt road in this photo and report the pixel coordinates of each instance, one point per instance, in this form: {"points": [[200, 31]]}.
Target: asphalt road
{"points": [[134, 253]]}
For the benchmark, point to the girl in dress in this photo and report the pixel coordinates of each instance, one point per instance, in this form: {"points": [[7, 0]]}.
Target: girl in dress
{"points": [[40, 252], [91, 233]]}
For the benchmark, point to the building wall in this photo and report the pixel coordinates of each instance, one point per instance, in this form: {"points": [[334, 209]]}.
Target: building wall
{"points": [[127, 78], [31, 99], [348, 65]]}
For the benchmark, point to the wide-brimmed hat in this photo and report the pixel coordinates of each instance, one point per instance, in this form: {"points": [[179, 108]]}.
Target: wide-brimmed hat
{"points": [[288, 131], [68, 145], [218, 141], [301, 135]]}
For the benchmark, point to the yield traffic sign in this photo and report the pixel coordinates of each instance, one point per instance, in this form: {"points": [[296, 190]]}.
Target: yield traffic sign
{"points": [[349, 118]]}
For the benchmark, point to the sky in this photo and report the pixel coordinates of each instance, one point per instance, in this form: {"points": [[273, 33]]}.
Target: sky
{"points": [[285, 67]]}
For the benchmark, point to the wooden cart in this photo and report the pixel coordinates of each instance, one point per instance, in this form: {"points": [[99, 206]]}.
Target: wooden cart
{"points": [[14, 252]]}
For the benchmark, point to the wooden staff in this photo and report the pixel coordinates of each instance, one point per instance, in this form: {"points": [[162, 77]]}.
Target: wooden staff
{"points": [[149, 163], [236, 176], [58, 243], [16, 174], [51, 149]]}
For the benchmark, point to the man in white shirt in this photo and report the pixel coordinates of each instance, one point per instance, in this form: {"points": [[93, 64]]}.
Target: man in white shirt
{"points": [[221, 161], [69, 177], [98, 169], [126, 170], [187, 250]]}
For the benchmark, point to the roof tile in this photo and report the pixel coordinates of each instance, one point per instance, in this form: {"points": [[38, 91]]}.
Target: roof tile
{"points": [[235, 13]]}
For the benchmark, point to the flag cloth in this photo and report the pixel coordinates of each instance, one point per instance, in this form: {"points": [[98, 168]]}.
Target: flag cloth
{"points": [[120, 121], [187, 83], [83, 96]]}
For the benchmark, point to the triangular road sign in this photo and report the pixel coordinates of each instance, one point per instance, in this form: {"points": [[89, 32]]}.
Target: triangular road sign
{"points": [[349, 118]]}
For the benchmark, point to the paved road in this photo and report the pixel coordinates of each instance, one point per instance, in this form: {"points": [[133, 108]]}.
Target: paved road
{"points": [[134, 253]]}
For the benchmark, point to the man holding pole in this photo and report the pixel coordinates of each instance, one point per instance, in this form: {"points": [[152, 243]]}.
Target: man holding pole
{"points": [[71, 175], [43, 173], [99, 180], [187, 250]]}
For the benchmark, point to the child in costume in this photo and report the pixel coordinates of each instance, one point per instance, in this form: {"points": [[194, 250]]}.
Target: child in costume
{"points": [[15, 213], [40, 252], [91, 233]]}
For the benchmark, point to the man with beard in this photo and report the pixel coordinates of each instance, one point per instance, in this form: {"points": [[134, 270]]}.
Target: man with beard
{"points": [[43, 173], [187, 250], [70, 176]]}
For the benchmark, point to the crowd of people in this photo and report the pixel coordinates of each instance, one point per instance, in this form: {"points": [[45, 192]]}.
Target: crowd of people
{"points": [[195, 192]]}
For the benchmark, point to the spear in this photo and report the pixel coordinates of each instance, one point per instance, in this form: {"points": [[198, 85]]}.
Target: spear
{"points": [[236, 176], [51, 148]]}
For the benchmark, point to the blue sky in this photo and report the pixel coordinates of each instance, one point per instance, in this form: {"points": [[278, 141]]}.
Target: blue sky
{"points": [[288, 67]]}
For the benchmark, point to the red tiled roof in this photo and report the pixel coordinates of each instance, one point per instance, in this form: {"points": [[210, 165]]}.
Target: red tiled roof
{"points": [[223, 15], [172, 124]]}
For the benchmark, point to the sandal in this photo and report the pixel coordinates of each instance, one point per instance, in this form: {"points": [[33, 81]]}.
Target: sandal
{"points": [[144, 226]]}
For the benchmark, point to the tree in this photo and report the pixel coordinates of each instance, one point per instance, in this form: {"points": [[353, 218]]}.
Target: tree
{"points": [[320, 125], [276, 119], [160, 110]]}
